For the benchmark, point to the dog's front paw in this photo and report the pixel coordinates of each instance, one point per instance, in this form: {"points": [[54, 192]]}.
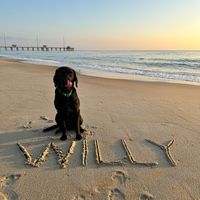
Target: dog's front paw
{"points": [[78, 137], [63, 137]]}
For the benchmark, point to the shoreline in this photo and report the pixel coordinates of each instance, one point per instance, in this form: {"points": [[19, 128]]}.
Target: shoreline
{"points": [[112, 75]]}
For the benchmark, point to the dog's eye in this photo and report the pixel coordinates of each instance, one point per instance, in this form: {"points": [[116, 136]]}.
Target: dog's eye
{"points": [[70, 76]]}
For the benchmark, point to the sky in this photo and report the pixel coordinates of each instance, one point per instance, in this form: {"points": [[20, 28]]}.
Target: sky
{"points": [[102, 24]]}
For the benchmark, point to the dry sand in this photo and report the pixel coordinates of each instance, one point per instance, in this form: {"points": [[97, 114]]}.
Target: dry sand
{"points": [[114, 111]]}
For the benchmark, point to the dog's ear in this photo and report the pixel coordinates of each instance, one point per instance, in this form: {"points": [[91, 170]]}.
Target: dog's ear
{"points": [[75, 79], [55, 80]]}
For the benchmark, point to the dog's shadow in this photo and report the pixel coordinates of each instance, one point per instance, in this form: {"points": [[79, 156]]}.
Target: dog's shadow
{"points": [[35, 142]]}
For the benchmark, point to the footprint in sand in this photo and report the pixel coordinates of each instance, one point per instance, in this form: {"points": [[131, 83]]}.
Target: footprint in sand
{"points": [[6, 184], [116, 194], [146, 196], [120, 176], [109, 189]]}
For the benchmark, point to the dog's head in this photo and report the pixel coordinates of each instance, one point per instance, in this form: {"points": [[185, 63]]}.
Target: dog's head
{"points": [[64, 78]]}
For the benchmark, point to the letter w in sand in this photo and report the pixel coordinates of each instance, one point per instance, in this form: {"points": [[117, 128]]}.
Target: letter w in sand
{"points": [[63, 159]]}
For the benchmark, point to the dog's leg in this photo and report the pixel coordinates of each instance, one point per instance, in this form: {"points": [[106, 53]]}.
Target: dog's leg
{"points": [[62, 127], [63, 130], [63, 137]]}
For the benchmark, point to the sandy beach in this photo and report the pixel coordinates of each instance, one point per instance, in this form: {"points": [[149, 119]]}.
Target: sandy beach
{"points": [[124, 155]]}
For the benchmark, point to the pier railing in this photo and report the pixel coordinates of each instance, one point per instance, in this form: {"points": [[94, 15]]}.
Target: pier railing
{"points": [[31, 48]]}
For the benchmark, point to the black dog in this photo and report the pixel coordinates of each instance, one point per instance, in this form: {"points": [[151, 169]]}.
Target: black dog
{"points": [[66, 103]]}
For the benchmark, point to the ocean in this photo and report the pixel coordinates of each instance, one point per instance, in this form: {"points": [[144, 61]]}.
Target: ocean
{"points": [[156, 65]]}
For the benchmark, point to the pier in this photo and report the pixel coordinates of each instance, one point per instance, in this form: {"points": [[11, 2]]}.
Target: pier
{"points": [[33, 48]]}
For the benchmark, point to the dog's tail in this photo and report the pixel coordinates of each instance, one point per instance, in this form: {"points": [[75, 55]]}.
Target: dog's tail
{"points": [[50, 128]]}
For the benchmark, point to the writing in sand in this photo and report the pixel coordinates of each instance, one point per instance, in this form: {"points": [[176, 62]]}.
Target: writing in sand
{"points": [[63, 159]]}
